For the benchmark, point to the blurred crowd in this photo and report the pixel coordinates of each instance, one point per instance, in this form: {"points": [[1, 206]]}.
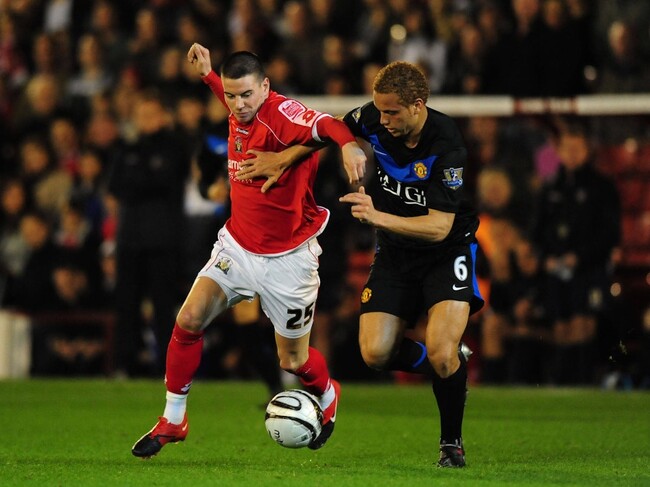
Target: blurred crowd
{"points": [[95, 96]]}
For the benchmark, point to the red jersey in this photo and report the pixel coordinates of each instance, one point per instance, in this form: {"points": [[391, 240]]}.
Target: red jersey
{"points": [[286, 215]]}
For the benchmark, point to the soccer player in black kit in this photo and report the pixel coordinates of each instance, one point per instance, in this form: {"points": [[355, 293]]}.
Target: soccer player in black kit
{"points": [[426, 248]]}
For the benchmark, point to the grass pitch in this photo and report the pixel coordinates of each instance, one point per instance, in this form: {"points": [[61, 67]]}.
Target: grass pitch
{"points": [[79, 432]]}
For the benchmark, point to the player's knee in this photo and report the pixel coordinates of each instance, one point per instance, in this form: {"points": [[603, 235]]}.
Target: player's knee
{"points": [[189, 321], [375, 358], [292, 362], [444, 360]]}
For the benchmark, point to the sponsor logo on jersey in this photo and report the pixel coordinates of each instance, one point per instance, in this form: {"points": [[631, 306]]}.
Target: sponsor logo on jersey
{"points": [[223, 264], [238, 144], [453, 177], [420, 170], [366, 294], [409, 195], [291, 109], [241, 130]]}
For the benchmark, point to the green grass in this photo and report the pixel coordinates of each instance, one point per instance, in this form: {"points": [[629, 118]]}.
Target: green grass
{"points": [[58, 432]]}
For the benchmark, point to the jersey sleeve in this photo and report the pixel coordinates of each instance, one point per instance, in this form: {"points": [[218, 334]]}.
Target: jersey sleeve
{"points": [[353, 120], [445, 191], [294, 123], [213, 81]]}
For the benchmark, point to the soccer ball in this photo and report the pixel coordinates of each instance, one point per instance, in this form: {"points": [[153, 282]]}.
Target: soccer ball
{"points": [[293, 418]]}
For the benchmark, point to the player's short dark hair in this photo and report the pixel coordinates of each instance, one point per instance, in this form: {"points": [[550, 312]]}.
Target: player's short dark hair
{"points": [[404, 79], [242, 63]]}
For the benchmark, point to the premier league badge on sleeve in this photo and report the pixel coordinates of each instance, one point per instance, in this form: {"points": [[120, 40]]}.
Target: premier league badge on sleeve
{"points": [[453, 177]]}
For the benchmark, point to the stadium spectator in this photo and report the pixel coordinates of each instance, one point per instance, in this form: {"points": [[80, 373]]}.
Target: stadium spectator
{"points": [[47, 57], [563, 54], [516, 60], [148, 179], [48, 186], [246, 23], [510, 351], [339, 64], [41, 102], [33, 289], [13, 251], [145, 45], [302, 46], [634, 14], [105, 25], [91, 77], [65, 142], [13, 65], [88, 187], [625, 70], [508, 145], [466, 64], [576, 229], [372, 32], [414, 42]]}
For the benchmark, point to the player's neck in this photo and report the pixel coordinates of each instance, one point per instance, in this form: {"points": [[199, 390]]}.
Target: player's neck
{"points": [[413, 137]]}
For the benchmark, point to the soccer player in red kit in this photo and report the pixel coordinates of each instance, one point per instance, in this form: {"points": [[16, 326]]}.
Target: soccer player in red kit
{"points": [[268, 247]]}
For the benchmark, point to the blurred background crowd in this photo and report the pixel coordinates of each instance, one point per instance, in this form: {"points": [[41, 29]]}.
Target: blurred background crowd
{"points": [[94, 219]]}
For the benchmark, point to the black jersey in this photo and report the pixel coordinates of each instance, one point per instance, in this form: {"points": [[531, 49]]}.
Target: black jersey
{"points": [[412, 180]]}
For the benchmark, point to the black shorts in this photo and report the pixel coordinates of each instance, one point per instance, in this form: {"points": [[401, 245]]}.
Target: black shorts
{"points": [[407, 282]]}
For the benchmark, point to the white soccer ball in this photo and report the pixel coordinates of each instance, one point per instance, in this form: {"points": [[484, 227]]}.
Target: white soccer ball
{"points": [[293, 418]]}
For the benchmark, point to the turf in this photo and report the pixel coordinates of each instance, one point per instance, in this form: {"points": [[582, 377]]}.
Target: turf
{"points": [[70, 432]]}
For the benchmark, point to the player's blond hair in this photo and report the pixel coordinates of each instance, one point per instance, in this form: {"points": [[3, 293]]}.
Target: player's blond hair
{"points": [[404, 79]]}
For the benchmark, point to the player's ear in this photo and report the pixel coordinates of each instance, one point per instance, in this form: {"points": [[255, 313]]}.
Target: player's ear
{"points": [[266, 85], [418, 104]]}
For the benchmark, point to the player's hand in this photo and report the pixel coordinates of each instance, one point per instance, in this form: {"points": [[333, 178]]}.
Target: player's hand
{"points": [[362, 207], [269, 165], [218, 191], [354, 162], [199, 56]]}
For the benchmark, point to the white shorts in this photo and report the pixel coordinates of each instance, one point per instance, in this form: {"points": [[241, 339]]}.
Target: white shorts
{"points": [[287, 284]]}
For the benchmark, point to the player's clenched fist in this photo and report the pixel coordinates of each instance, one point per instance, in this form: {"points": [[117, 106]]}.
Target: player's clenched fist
{"points": [[199, 56]]}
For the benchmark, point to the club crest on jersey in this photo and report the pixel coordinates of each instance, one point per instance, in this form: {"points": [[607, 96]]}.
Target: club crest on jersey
{"points": [[223, 264], [356, 115], [420, 170], [238, 144], [453, 177], [366, 294]]}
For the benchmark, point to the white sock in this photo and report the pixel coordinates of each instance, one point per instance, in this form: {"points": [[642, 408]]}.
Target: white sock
{"points": [[175, 407], [328, 397]]}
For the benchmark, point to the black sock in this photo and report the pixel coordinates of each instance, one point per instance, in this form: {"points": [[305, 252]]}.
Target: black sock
{"points": [[451, 394], [259, 351], [411, 357]]}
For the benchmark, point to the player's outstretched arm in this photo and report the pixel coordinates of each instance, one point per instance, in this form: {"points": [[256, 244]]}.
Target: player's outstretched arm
{"points": [[271, 165], [199, 57], [434, 227]]}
